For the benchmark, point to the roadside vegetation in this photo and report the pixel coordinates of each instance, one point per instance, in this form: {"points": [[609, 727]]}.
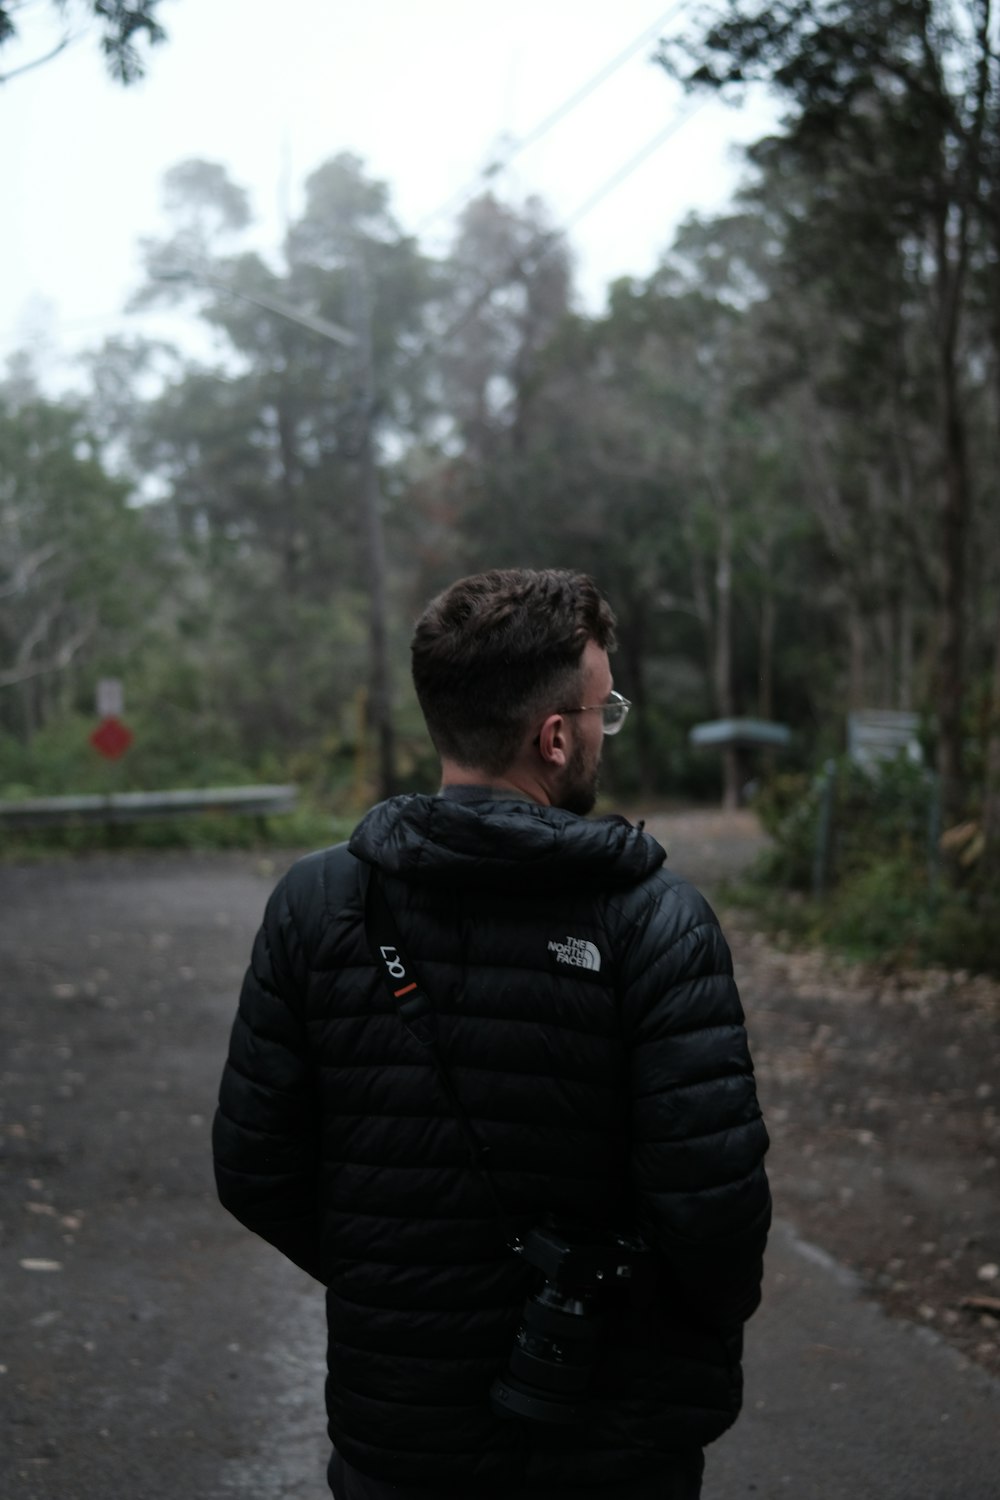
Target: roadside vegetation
{"points": [[859, 864]]}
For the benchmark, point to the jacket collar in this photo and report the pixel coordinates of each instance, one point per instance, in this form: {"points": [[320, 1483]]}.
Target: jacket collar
{"points": [[482, 793]]}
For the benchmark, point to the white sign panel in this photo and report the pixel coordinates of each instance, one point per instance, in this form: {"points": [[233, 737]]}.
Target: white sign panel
{"points": [[110, 698]]}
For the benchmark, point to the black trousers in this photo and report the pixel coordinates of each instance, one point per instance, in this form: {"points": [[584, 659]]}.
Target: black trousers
{"points": [[682, 1481]]}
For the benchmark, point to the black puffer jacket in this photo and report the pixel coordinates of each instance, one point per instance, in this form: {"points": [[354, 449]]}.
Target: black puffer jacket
{"points": [[590, 1022]]}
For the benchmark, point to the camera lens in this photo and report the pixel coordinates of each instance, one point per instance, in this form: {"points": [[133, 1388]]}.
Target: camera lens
{"points": [[552, 1360], [556, 1347]]}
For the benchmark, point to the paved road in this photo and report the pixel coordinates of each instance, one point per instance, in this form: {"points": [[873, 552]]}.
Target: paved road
{"points": [[845, 1404], [150, 1349]]}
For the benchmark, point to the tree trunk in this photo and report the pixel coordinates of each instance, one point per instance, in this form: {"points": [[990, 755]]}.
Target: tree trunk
{"points": [[887, 653], [856, 691], [991, 787], [380, 688], [631, 637], [290, 473], [765, 679], [951, 647], [724, 654], [905, 629], [379, 692], [952, 254]]}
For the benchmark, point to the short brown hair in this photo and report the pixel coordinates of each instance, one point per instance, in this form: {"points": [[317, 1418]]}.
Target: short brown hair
{"points": [[498, 648]]}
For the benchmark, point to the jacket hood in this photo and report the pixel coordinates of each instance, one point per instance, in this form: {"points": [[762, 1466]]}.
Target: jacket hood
{"points": [[494, 842]]}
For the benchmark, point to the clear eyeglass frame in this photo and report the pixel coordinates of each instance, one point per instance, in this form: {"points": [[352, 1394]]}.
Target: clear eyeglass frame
{"points": [[614, 711]]}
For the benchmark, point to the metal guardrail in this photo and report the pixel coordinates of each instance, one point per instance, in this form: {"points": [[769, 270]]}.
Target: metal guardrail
{"points": [[132, 807]]}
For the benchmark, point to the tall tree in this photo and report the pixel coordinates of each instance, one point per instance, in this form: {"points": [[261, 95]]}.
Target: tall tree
{"points": [[888, 106], [509, 284], [73, 558], [277, 467]]}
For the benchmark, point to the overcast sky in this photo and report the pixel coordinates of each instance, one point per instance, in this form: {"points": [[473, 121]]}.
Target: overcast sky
{"points": [[427, 92]]}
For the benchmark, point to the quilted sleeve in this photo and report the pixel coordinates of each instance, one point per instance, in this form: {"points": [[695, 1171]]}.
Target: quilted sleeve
{"points": [[697, 1137], [265, 1136]]}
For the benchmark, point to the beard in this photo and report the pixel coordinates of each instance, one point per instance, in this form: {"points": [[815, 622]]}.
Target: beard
{"points": [[578, 792]]}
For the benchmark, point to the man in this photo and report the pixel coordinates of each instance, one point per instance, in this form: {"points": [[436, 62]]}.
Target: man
{"points": [[591, 1041]]}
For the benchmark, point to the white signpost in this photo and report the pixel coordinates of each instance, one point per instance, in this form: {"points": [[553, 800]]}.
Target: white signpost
{"points": [[875, 735], [110, 698]]}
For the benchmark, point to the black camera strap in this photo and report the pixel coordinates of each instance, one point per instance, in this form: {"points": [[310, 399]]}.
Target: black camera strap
{"points": [[418, 1016]]}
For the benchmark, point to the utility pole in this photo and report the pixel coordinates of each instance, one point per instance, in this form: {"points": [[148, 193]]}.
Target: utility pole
{"points": [[359, 339], [380, 689]]}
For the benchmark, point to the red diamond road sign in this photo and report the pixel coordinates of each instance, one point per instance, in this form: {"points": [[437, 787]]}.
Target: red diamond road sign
{"points": [[111, 737]]}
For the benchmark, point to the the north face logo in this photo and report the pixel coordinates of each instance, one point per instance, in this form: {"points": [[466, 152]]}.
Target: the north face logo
{"points": [[578, 952]]}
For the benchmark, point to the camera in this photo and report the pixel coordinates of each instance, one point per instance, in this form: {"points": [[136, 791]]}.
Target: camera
{"points": [[558, 1341]]}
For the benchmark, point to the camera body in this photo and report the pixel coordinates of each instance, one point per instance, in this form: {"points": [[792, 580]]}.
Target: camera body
{"points": [[558, 1341]]}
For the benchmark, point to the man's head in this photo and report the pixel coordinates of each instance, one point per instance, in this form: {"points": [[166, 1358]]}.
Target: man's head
{"points": [[502, 663]]}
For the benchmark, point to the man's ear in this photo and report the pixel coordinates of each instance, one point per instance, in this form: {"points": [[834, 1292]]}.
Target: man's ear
{"points": [[552, 742]]}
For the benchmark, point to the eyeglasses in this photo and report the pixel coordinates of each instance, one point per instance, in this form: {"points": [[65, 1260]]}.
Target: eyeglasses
{"points": [[615, 711]]}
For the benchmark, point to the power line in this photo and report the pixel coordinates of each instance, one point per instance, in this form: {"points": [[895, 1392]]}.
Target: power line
{"points": [[550, 120], [528, 262], [588, 88], [630, 166]]}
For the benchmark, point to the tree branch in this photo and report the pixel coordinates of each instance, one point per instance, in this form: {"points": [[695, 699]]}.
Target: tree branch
{"points": [[57, 662], [37, 62], [27, 569]]}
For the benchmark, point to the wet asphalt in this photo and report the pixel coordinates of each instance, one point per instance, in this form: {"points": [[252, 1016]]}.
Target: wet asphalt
{"points": [[151, 1349]]}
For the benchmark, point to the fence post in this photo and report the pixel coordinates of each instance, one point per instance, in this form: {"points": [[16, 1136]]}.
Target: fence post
{"points": [[824, 826]]}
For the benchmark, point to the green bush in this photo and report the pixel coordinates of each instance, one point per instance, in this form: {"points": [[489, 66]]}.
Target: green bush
{"points": [[788, 807], [61, 761], [887, 896], [881, 910], [962, 933], [880, 814], [308, 827]]}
